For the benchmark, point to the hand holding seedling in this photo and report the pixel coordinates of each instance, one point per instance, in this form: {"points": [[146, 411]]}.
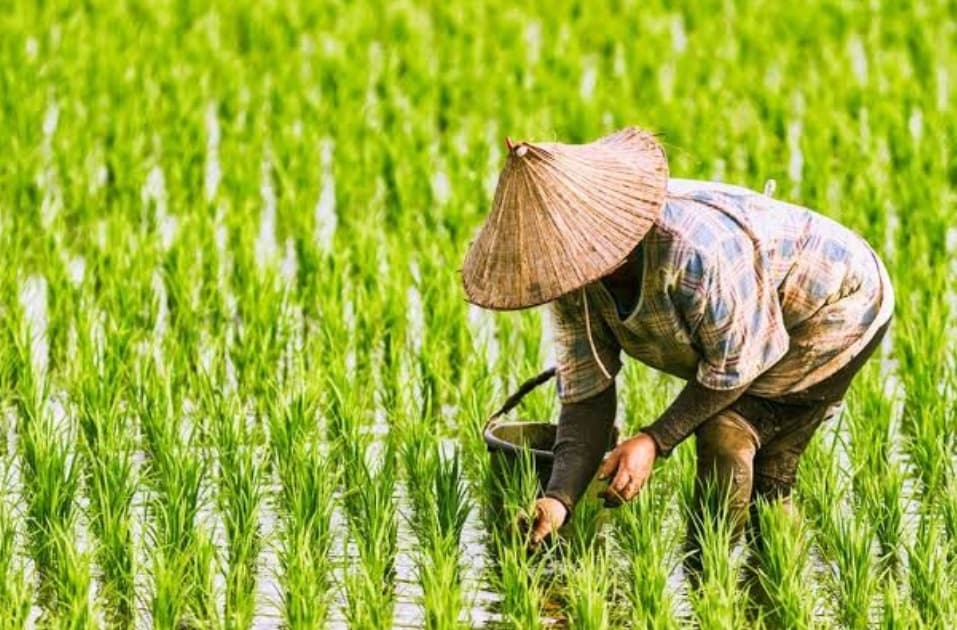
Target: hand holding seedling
{"points": [[629, 466], [549, 515]]}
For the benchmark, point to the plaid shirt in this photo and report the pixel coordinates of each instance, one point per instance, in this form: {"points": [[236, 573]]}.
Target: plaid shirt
{"points": [[737, 289]]}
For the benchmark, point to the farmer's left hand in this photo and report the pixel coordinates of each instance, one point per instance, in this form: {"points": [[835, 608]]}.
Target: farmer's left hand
{"points": [[629, 466]]}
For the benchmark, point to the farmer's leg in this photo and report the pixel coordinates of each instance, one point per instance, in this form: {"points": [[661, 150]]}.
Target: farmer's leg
{"points": [[776, 462], [786, 431], [726, 445], [785, 425]]}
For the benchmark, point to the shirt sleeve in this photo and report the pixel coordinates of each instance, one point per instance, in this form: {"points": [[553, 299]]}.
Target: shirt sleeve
{"points": [[737, 322], [579, 375]]}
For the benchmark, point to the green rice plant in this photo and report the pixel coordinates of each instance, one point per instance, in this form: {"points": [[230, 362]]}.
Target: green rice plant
{"points": [[239, 498], [440, 510], [948, 513], [15, 592], [929, 437], [589, 591], [112, 484], [263, 308], [931, 575], [440, 575], [181, 270], [509, 489], [438, 530], [29, 388], [782, 565], [452, 500], [521, 580], [844, 542], [821, 492], [877, 478], [72, 580], [371, 513], [292, 423], [473, 414], [347, 404], [716, 599], [855, 576], [644, 545], [10, 329], [181, 584], [898, 611], [882, 498], [308, 481], [420, 461], [51, 480], [158, 403], [183, 558], [111, 481], [584, 531]]}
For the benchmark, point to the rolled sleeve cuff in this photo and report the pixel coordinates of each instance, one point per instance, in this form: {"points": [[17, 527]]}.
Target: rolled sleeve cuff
{"points": [[664, 436]]}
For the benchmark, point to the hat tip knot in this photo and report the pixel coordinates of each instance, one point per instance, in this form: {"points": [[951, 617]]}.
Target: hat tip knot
{"points": [[518, 149]]}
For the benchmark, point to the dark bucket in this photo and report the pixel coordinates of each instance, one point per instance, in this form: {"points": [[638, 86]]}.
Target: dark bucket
{"points": [[508, 442]]}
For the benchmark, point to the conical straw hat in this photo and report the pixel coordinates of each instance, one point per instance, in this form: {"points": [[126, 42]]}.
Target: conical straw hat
{"points": [[564, 215]]}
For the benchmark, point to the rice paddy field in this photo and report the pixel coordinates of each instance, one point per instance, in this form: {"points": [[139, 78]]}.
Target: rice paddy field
{"points": [[240, 386]]}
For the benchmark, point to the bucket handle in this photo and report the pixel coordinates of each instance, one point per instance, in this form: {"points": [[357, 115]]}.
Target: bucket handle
{"points": [[523, 390]]}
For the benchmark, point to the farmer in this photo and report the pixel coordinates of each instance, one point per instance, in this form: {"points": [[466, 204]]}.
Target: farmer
{"points": [[767, 310]]}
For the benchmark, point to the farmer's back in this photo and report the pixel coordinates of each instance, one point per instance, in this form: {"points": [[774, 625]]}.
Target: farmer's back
{"points": [[759, 288]]}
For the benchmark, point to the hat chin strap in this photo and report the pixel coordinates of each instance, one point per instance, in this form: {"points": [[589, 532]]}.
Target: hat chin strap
{"points": [[591, 342]]}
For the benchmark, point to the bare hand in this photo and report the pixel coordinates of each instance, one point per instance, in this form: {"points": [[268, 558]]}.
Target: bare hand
{"points": [[629, 467], [549, 516]]}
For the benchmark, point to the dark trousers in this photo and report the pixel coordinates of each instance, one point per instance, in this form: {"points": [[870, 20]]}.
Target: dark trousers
{"points": [[752, 449]]}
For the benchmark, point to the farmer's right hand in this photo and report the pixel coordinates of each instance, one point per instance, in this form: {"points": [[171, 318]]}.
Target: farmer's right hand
{"points": [[549, 516]]}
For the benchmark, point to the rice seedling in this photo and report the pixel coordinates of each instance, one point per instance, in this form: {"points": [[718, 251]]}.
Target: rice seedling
{"points": [[521, 581], [782, 569], [440, 509], [522, 578], [15, 592], [948, 514], [305, 502], [716, 598], [240, 497], [585, 531], [371, 513], [184, 555], [640, 532], [589, 591], [110, 475], [51, 480], [845, 543], [306, 540], [73, 608], [897, 611], [931, 575]]}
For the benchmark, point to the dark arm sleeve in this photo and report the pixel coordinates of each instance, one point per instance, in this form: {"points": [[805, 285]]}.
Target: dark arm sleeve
{"points": [[584, 429], [695, 404]]}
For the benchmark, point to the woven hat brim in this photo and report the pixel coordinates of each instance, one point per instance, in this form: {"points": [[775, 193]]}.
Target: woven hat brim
{"points": [[564, 216]]}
